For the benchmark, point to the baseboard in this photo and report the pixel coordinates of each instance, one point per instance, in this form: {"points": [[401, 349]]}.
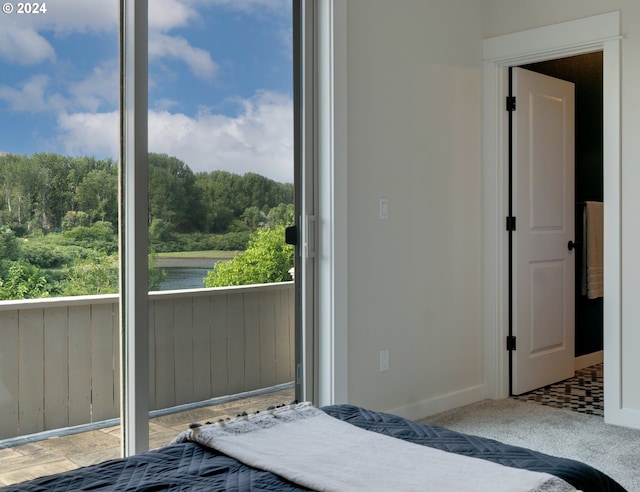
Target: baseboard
{"points": [[589, 360], [432, 406]]}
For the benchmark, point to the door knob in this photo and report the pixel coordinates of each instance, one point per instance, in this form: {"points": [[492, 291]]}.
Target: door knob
{"points": [[571, 245]]}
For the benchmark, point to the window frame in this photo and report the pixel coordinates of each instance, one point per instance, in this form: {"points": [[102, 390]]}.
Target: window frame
{"points": [[133, 227]]}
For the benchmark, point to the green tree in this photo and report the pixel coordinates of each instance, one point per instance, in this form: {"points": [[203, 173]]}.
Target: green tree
{"points": [[253, 217], [22, 184], [227, 197], [218, 191], [97, 195], [161, 231], [282, 214], [267, 259], [173, 194], [57, 195], [75, 219], [9, 245]]}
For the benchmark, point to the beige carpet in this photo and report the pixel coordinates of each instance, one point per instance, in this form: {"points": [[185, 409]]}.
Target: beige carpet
{"points": [[611, 449]]}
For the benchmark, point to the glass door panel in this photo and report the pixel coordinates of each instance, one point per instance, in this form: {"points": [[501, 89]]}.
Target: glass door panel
{"points": [[221, 192], [58, 228]]}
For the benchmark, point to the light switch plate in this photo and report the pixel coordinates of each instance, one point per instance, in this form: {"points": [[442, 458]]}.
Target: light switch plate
{"points": [[383, 208], [384, 360]]}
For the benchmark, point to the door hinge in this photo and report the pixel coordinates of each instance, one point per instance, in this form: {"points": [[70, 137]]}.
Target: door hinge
{"points": [[511, 223], [511, 342], [511, 103]]}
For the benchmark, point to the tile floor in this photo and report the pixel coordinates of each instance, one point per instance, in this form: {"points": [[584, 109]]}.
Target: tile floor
{"points": [[583, 393]]}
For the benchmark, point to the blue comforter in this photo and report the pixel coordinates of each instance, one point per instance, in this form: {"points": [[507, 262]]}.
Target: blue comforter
{"points": [[191, 467]]}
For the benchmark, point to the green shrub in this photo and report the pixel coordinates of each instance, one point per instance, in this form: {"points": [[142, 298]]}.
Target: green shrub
{"points": [[267, 259], [100, 236], [20, 280], [91, 278]]}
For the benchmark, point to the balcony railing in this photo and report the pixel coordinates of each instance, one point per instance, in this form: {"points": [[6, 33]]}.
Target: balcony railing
{"points": [[59, 358]]}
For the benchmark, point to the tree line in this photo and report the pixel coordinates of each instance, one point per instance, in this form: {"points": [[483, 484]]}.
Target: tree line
{"points": [[51, 192], [59, 215]]}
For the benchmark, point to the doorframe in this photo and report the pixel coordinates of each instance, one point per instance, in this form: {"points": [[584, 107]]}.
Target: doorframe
{"points": [[330, 155], [596, 33]]}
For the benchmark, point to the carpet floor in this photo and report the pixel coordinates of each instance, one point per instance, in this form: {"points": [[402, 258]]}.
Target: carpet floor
{"points": [[556, 431]]}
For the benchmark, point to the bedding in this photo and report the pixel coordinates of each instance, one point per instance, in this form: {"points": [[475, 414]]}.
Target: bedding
{"points": [[305, 445], [190, 466]]}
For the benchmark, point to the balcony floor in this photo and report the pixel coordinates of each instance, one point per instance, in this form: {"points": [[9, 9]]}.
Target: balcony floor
{"points": [[59, 454]]}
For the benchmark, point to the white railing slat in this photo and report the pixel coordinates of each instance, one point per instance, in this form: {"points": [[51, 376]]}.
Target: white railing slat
{"points": [[235, 343], [183, 342], [60, 358], [219, 362], [252, 340], [56, 367], [79, 364], [31, 377], [102, 364], [165, 355], [9, 423], [202, 354], [268, 308]]}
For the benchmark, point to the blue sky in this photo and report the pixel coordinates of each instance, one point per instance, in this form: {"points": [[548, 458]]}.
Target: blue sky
{"points": [[220, 82]]}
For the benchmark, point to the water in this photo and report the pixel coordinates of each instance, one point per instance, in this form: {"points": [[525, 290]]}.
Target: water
{"points": [[183, 278]]}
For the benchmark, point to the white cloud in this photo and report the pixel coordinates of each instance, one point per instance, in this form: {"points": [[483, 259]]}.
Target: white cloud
{"points": [[32, 96], [24, 46], [165, 15], [198, 60], [64, 16], [90, 133], [165, 104], [259, 139], [247, 5], [99, 88]]}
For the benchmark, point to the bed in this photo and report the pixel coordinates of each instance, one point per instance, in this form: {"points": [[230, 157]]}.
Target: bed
{"points": [[190, 464]]}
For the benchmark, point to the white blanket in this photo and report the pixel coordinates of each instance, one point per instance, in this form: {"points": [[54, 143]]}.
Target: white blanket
{"points": [[313, 449]]}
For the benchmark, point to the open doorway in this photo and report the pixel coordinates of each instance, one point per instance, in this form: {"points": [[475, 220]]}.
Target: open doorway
{"points": [[596, 33], [585, 72]]}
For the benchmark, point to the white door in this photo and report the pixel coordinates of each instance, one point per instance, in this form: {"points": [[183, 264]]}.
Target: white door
{"points": [[543, 265]]}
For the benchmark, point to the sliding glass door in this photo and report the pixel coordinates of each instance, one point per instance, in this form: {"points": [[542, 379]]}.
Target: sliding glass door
{"points": [[58, 220], [150, 160], [220, 168]]}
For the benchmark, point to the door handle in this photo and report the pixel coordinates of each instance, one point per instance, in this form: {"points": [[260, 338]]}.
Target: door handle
{"points": [[572, 245], [291, 235]]}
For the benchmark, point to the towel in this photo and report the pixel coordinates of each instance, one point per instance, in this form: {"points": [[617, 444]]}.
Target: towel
{"points": [[592, 263]]}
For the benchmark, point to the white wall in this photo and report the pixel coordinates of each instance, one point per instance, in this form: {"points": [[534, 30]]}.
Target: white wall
{"points": [[414, 137], [506, 16]]}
